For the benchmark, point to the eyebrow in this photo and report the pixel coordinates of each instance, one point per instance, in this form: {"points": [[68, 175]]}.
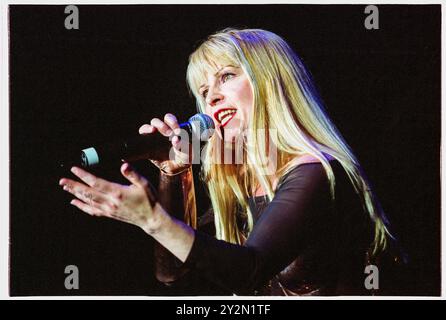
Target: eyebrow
{"points": [[216, 73]]}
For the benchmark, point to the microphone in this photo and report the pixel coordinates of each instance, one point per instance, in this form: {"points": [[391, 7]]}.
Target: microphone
{"points": [[150, 146]]}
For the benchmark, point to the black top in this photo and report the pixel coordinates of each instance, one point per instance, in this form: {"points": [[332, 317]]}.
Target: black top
{"points": [[302, 241]]}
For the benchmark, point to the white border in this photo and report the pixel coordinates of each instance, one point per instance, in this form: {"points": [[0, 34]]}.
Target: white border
{"points": [[127, 2], [4, 161]]}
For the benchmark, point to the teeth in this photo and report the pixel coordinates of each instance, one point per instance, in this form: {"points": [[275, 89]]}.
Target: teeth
{"points": [[227, 118], [225, 113], [225, 121]]}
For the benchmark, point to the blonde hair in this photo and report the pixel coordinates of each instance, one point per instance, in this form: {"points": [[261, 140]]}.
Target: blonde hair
{"points": [[286, 100]]}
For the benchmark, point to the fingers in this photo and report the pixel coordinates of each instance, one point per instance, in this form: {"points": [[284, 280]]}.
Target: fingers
{"points": [[146, 129], [172, 122], [86, 208], [93, 181], [92, 211], [120, 202], [161, 126], [90, 196], [176, 142], [134, 177], [166, 127]]}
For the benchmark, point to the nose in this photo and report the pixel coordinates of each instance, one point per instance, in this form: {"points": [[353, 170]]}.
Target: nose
{"points": [[214, 97]]}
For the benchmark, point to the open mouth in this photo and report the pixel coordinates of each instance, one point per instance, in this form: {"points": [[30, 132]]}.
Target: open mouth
{"points": [[223, 116]]}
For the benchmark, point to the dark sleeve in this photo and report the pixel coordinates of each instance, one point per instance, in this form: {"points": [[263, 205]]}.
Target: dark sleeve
{"points": [[286, 226], [192, 282]]}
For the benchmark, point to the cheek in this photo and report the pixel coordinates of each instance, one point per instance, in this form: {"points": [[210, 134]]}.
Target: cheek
{"points": [[246, 99], [245, 90], [207, 110], [210, 112]]}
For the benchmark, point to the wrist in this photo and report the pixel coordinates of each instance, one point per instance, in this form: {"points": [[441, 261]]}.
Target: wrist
{"points": [[158, 220]]}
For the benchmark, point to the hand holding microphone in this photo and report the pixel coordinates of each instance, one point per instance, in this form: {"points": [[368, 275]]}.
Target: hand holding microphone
{"points": [[171, 128], [153, 144]]}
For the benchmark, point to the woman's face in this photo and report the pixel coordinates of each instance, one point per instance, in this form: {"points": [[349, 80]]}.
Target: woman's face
{"points": [[229, 101]]}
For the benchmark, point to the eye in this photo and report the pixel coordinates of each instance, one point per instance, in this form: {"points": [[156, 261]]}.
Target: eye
{"points": [[226, 76], [204, 93]]}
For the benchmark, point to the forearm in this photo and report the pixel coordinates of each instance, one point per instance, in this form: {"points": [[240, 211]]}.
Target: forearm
{"points": [[176, 194], [174, 235], [177, 211]]}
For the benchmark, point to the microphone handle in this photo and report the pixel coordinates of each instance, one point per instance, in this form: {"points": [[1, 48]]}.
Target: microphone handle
{"points": [[152, 146]]}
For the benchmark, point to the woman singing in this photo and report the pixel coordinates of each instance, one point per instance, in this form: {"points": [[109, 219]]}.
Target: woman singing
{"points": [[295, 215]]}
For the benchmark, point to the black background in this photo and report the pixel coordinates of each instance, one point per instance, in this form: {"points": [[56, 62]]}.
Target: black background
{"points": [[71, 89]]}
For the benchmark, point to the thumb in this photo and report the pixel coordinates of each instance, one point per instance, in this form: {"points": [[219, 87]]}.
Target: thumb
{"points": [[134, 177]]}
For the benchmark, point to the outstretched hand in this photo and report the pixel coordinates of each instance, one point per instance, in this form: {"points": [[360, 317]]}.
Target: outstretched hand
{"points": [[134, 203]]}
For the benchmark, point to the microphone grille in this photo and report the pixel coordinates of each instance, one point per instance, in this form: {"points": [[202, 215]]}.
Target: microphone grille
{"points": [[205, 123]]}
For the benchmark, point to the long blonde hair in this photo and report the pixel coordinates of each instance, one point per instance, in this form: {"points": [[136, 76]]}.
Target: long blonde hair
{"points": [[285, 100]]}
